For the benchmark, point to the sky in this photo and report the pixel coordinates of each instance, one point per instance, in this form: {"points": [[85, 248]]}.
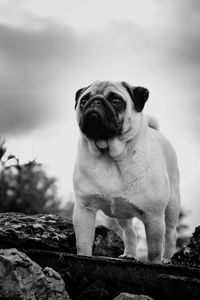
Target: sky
{"points": [[51, 48]]}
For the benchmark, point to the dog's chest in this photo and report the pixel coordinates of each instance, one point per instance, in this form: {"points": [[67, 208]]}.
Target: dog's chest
{"points": [[102, 186], [100, 177]]}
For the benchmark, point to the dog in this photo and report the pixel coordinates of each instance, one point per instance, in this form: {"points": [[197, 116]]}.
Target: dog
{"points": [[124, 167]]}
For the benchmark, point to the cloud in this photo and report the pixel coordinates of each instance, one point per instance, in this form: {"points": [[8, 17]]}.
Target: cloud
{"points": [[34, 65], [40, 68], [43, 63], [21, 112]]}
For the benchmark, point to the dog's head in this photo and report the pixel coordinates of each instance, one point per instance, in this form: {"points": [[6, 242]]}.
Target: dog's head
{"points": [[104, 109]]}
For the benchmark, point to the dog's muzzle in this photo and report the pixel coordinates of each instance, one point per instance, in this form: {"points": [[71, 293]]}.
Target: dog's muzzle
{"points": [[99, 120]]}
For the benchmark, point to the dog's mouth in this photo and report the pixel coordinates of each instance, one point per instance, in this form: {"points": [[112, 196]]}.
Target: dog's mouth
{"points": [[99, 120]]}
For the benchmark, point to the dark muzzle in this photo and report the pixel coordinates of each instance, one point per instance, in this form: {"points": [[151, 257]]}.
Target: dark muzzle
{"points": [[99, 120]]}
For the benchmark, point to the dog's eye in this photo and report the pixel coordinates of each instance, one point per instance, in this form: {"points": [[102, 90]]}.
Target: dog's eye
{"points": [[83, 101], [116, 102]]}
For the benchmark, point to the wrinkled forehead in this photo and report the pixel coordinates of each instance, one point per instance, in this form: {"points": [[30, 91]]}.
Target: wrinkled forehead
{"points": [[105, 87]]}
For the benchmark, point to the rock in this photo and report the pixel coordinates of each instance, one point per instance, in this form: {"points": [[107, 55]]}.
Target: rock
{"points": [[107, 243], [127, 296], [55, 285], [98, 278], [39, 232], [21, 278], [52, 233], [189, 255]]}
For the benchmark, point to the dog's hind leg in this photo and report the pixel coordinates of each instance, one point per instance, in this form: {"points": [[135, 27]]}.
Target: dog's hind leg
{"points": [[155, 231], [171, 219], [129, 236]]}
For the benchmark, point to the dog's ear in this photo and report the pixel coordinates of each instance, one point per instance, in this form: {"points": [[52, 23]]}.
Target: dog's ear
{"points": [[77, 96], [138, 94], [79, 93]]}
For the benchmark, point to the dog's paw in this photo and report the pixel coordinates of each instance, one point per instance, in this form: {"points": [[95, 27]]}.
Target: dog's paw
{"points": [[166, 261], [126, 256]]}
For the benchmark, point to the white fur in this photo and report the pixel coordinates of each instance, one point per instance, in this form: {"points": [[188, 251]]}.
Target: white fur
{"points": [[138, 177]]}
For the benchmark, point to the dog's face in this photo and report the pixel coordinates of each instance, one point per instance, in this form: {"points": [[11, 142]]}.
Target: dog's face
{"points": [[106, 109]]}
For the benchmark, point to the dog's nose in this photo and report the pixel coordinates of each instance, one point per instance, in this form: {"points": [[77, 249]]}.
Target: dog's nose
{"points": [[94, 119]]}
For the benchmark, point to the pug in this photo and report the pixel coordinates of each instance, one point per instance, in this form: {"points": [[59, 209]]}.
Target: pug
{"points": [[124, 167]]}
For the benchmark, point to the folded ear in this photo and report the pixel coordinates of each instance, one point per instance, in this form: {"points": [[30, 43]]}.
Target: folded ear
{"points": [[138, 94], [79, 93], [77, 96]]}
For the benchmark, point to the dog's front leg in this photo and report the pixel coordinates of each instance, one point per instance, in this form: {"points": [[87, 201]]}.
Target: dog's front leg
{"points": [[84, 225], [155, 232]]}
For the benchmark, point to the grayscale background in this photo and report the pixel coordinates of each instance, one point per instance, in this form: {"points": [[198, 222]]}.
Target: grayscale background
{"points": [[51, 48]]}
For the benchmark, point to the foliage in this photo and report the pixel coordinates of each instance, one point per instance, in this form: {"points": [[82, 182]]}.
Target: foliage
{"points": [[25, 187]]}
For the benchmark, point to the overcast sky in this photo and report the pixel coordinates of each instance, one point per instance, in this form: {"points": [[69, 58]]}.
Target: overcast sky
{"points": [[50, 48]]}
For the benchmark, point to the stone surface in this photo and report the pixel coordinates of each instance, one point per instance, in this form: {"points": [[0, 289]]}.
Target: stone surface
{"points": [[21, 278], [55, 285], [107, 243], [189, 255], [52, 233], [48, 240], [102, 278], [127, 296]]}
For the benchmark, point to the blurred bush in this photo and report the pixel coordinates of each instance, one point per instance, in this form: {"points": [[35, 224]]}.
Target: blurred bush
{"points": [[25, 187]]}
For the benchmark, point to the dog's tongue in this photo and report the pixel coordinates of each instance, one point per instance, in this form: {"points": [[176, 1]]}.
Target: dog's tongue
{"points": [[101, 144]]}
